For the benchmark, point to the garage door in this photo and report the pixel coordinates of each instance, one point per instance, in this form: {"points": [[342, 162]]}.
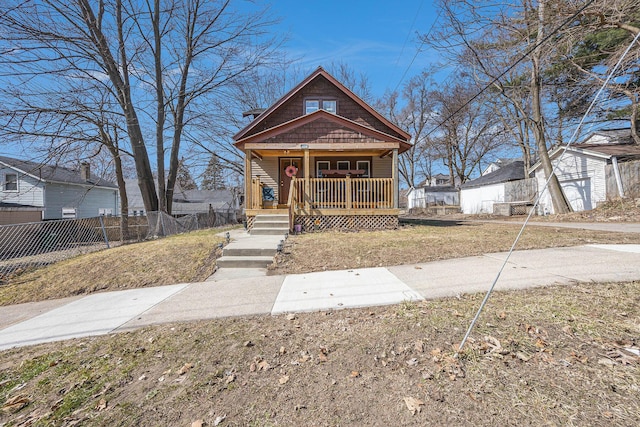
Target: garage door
{"points": [[578, 193]]}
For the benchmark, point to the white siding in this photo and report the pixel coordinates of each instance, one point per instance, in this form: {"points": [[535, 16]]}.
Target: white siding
{"points": [[582, 179], [422, 197], [267, 168], [415, 197], [481, 199], [85, 199], [30, 190]]}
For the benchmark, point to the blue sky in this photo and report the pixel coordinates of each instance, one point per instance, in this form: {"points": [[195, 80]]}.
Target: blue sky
{"points": [[375, 38]]}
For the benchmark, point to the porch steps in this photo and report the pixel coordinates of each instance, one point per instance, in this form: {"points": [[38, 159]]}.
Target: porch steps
{"points": [[244, 261], [270, 225], [257, 248]]}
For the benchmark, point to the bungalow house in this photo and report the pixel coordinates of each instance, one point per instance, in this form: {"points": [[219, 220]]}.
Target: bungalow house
{"points": [[604, 166], [324, 157], [504, 188], [57, 192]]}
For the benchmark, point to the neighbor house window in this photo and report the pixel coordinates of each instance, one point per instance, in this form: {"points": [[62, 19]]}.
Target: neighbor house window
{"points": [[11, 182], [344, 165], [322, 165], [329, 105], [363, 165], [105, 211], [68, 213]]}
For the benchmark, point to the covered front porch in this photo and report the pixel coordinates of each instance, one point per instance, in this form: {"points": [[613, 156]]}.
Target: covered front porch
{"points": [[339, 188]]}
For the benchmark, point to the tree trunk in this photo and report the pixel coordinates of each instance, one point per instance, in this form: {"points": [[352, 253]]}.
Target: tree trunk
{"points": [[160, 107], [123, 89], [560, 204]]}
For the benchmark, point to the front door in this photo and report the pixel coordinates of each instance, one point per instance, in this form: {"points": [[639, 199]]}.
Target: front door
{"points": [[285, 179]]}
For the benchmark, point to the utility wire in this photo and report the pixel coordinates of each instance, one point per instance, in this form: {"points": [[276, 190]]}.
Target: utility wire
{"points": [[546, 184], [511, 67], [418, 50]]}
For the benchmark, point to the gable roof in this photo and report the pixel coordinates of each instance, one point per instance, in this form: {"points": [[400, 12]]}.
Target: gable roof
{"points": [[510, 172], [317, 73], [58, 174], [321, 114], [603, 144]]}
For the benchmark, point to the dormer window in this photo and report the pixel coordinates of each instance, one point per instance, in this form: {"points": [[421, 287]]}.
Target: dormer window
{"points": [[329, 105]]}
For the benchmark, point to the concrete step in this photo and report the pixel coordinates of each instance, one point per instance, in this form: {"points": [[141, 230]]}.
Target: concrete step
{"points": [[272, 217], [272, 224], [259, 231], [244, 261], [237, 251]]}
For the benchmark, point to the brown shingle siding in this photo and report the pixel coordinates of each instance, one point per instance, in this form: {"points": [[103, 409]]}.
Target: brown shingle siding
{"points": [[320, 87], [321, 131]]}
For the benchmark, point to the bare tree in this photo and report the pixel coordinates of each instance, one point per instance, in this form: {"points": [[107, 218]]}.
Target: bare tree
{"points": [[490, 40], [195, 49], [413, 110], [469, 130]]}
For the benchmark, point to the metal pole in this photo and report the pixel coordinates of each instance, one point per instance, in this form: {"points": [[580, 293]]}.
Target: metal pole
{"points": [[104, 232]]}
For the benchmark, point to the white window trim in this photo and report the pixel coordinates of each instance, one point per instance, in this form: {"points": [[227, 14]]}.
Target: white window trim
{"points": [[339, 162], [368, 163], [4, 186], [306, 111], [320, 102], [67, 212], [319, 168]]}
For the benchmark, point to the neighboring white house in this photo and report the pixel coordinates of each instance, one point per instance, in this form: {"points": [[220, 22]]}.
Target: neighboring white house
{"points": [[495, 165], [585, 170], [57, 191], [434, 191], [423, 197], [481, 194]]}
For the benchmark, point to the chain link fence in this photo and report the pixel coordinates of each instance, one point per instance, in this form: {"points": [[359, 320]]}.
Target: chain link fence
{"points": [[37, 244], [162, 224]]}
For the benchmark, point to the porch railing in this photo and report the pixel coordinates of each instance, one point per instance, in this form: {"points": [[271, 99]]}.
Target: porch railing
{"points": [[345, 193], [334, 193]]}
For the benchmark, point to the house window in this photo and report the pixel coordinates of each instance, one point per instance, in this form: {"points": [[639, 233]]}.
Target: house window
{"points": [[363, 165], [329, 105], [344, 165], [11, 182], [68, 213], [105, 211], [322, 166], [311, 105]]}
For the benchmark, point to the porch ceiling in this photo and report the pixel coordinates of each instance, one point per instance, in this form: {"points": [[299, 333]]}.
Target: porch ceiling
{"points": [[330, 149]]}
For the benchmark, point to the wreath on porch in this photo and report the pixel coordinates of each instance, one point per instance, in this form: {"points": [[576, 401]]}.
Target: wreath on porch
{"points": [[291, 170]]}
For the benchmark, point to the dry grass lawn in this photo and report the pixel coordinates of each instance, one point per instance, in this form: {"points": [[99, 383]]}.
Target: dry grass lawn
{"points": [[566, 355], [181, 258], [418, 244], [558, 356]]}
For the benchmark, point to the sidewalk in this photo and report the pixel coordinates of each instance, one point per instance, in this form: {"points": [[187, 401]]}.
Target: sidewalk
{"points": [[109, 312]]}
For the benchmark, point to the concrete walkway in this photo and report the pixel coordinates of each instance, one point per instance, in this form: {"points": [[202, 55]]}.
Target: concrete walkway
{"points": [[253, 293]]}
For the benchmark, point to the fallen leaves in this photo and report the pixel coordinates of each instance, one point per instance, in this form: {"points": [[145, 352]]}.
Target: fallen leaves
{"points": [[283, 379], [185, 368], [414, 405], [15, 403]]}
